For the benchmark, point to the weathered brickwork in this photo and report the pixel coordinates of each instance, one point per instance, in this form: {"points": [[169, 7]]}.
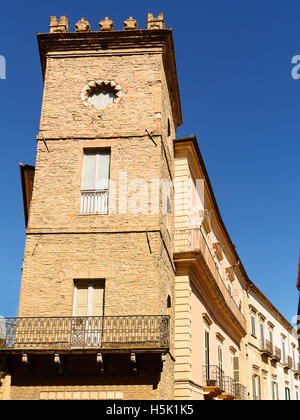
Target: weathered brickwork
{"points": [[139, 76]]}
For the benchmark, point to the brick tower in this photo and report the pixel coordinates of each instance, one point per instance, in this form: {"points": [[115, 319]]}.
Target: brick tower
{"points": [[96, 305]]}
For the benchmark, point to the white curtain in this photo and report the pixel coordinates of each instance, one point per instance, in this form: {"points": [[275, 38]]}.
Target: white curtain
{"points": [[96, 171]]}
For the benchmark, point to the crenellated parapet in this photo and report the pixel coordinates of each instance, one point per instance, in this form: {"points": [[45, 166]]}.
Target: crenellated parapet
{"points": [[106, 24], [155, 23], [57, 26], [83, 26]]}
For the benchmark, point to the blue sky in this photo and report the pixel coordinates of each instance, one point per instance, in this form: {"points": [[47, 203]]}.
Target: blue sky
{"points": [[238, 97]]}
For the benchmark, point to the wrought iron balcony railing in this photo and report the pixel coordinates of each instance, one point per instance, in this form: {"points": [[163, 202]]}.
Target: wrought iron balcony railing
{"points": [[229, 386], [193, 240], [213, 377], [287, 362], [266, 347], [240, 392], [276, 354], [71, 333]]}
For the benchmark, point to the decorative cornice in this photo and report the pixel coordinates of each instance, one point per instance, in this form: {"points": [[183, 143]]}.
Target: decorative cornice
{"points": [[261, 316], [252, 308], [207, 318], [220, 336]]}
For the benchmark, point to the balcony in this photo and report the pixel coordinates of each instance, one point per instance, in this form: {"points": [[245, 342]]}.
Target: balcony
{"points": [[266, 348], [213, 379], [296, 370], [64, 334], [276, 356], [287, 362], [240, 392], [94, 202], [229, 389], [189, 241]]}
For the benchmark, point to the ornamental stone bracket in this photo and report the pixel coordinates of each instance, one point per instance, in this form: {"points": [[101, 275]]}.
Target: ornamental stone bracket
{"points": [[130, 24], [83, 26], [58, 26], [106, 25]]}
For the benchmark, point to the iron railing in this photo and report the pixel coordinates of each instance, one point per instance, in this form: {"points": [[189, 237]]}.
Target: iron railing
{"points": [[213, 377], [94, 202], [266, 347], [276, 354], [287, 362], [240, 391], [229, 386], [138, 331], [192, 240]]}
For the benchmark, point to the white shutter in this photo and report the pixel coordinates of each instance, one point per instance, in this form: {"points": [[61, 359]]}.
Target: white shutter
{"points": [[102, 171], [89, 172]]}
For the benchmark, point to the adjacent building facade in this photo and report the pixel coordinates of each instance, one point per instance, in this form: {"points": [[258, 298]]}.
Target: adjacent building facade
{"points": [[273, 352], [131, 286]]}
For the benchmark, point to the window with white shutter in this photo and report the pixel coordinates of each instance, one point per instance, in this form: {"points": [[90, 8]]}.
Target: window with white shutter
{"points": [[95, 182]]}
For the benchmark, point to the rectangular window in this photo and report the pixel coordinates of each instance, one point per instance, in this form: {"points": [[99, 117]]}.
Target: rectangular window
{"points": [[95, 182], [88, 309], [253, 332], [271, 336], [283, 352], [294, 360], [287, 394], [88, 299], [262, 335], [275, 395], [206, 355], [220, 358], [207, 348], [256, 387]]}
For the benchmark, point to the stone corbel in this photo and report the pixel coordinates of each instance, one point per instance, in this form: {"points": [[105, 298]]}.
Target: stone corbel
{"points": [[133, 362], [58, 363], [26, 363], [100, 362]]}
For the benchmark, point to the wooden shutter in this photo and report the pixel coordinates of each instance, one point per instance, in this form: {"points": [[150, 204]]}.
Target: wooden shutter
{"points": [[97, 300], [236, 369], [81, 300], [253, 325], [207, 348], [259, 387], [254, 387], [262, 336]]}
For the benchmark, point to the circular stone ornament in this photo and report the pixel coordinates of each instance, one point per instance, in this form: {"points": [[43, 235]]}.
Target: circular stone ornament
{"points": [[101, 94]]}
